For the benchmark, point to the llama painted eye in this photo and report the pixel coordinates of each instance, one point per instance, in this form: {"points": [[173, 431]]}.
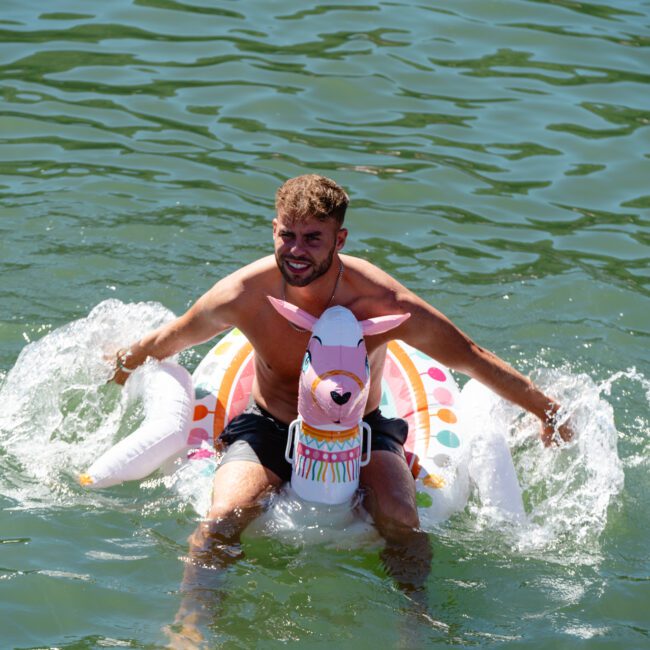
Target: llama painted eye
{"points": [[306, 362]]}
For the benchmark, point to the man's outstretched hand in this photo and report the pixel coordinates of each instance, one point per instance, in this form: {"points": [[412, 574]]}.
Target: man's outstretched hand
{"points": [[554, 432]]}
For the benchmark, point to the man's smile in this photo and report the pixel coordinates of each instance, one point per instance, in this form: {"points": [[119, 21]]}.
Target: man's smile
{"points": [[297, 266]]}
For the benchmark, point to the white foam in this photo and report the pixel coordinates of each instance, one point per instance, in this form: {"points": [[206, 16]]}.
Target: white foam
{"points": [[56, 411], [301, 523], [567, 489]]}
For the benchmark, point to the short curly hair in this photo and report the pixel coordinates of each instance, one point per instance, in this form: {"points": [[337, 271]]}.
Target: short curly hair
{"points": [[311, 195]]}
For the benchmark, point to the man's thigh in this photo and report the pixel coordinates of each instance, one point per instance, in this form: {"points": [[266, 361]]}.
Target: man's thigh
{"points": [[240, 485], [256, 436]]}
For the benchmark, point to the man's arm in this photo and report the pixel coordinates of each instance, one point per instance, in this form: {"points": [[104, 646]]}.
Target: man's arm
{"points": [[210, 315], [431, 332]]}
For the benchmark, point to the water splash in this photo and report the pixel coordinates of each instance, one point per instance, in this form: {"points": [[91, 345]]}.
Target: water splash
{"points": [[630, 391], [287, 518], [569, 489], [57, 411], [631, 373], [301, 524]]}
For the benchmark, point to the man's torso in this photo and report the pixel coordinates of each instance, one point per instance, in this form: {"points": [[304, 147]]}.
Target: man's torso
{"points": [[279, 348]]}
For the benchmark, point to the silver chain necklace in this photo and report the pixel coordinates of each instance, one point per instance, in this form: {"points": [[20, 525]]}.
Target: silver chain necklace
{"points": [[329, 302]]}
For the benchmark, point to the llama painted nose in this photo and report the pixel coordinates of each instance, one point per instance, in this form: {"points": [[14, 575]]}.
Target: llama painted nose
{"points": [[340, 398]]}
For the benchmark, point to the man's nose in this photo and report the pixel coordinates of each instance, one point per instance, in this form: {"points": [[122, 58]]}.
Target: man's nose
{"points": [[297, 248]]}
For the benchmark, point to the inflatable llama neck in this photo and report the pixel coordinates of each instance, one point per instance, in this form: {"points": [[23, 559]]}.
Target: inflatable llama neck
{"points": [[325, 443]]}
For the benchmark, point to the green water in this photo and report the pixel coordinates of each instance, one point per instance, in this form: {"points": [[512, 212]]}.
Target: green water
{"points": [[497, 158]]}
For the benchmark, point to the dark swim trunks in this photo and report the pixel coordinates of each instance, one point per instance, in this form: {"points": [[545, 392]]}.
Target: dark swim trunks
{"points": [[257, 436]]}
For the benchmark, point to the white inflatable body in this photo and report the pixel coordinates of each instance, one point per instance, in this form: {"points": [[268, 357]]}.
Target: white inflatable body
{"points": [[184, 416]]}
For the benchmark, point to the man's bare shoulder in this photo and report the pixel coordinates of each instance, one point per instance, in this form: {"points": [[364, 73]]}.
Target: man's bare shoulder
{"points": [[371, 291], [368, 272]]}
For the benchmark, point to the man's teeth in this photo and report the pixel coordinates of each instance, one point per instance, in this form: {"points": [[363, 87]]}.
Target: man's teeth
{"points": [[298, 265]]}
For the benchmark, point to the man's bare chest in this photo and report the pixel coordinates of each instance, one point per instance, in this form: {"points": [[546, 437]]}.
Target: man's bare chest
{"points": [[279, 358]]}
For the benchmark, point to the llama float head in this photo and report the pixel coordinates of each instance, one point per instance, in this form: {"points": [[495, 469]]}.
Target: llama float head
{"points": [[334, 383], [335, 375]]}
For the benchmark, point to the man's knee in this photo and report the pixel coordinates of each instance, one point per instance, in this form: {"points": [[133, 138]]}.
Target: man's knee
{"points": [[393, 510], [390, 492], [238, 494]]}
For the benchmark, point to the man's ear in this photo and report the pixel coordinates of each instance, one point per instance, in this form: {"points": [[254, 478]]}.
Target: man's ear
{"points": [[275, 227], [341, 236]]}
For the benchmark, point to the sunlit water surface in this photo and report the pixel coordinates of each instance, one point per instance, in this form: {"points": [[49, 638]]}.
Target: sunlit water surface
{"points": [[496, 155]]}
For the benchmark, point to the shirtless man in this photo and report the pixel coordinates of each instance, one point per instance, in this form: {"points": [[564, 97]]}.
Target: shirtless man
{"points": [[309, 271]]}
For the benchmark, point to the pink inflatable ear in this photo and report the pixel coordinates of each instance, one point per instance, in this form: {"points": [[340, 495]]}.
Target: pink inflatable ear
{"points": [[293, 314], [381, 324]]}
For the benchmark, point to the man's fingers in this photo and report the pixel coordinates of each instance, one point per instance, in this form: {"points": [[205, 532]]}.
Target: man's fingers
{"points": [[552, 434]]}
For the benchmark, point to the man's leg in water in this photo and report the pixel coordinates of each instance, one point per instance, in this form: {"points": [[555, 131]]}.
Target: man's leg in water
{"points": [[390, 499], [238, 491]]}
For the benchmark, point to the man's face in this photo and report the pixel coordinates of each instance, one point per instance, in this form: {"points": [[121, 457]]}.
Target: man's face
{"points": [[304, 250]]}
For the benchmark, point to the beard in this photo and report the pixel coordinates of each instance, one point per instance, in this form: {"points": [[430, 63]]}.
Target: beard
{"points": [[300, 280]]}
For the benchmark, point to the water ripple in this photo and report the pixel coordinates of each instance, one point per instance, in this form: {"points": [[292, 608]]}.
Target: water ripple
{"points": [[497, 158]]}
